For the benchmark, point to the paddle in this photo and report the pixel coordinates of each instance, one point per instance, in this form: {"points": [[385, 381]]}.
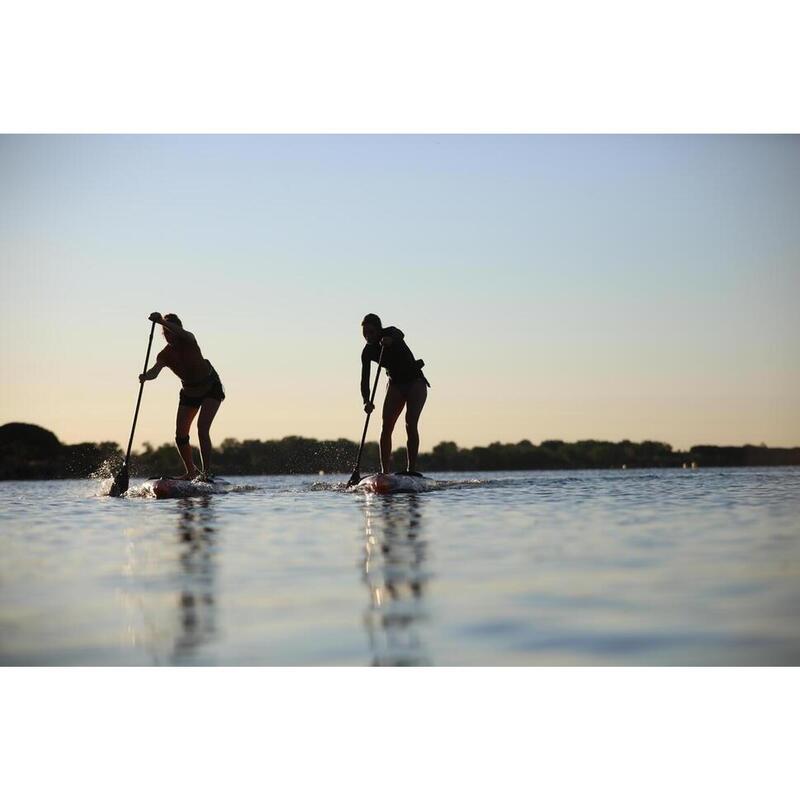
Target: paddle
{"points": [[120, 485], [356, 476]]}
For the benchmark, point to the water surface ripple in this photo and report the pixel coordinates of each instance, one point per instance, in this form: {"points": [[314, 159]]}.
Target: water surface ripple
{"points": [[651, 567]]}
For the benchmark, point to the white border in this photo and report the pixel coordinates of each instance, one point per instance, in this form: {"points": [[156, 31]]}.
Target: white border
{"points": [[419, 66], [656, 733]]}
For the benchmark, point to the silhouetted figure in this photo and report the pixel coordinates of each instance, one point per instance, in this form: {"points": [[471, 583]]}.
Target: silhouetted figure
{"points": [[407, 387], [201, 390]]}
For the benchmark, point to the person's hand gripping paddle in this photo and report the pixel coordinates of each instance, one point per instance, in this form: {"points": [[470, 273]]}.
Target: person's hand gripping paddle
{"points": [[120, 485], [356, 476]]}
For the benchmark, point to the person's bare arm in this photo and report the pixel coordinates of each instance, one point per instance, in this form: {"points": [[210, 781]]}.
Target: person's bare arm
{"points": [[365, 384], [171, 326], [152, 373]]}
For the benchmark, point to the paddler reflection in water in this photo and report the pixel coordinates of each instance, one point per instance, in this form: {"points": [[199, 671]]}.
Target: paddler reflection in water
{"points": [[201, 390], [407, 387]]}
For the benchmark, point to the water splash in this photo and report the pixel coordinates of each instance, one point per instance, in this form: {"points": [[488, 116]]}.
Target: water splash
{"points": [[107, 469], [325, 486], [103, 488], [104, 477]]}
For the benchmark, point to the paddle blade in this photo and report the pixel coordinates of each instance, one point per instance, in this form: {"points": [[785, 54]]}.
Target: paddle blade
{"points": [[354, 479], [120, 485]]}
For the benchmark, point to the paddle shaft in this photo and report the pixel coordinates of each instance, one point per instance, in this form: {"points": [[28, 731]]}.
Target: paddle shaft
{"points": [[369, 413], [139, 398]]}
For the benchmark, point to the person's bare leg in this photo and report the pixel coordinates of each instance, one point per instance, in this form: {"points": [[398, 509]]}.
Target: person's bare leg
{"points": [[182, 423], [392, 406], [414, 405], [207, 413]]}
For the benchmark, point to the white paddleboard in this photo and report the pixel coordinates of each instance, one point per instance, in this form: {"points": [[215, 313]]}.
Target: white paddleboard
{"points": [[394, 484], [165, 488]]}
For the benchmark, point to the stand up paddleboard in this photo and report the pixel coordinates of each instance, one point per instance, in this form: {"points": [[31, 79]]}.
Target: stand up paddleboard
{"points": [[165, 488], [395, 484]]}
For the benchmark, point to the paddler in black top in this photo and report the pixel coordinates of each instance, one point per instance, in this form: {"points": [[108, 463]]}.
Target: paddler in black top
{"points": [[201, 390], [407, 387]]}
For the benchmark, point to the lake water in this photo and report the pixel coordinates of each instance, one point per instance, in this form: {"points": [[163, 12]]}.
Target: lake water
{"points": [[651, 567]]}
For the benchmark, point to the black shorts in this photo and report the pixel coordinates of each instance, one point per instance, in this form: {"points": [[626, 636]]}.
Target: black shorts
{"points": [[214, 392], [405, 387]]}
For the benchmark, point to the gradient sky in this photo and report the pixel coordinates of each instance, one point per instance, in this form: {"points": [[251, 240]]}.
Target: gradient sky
{"points": [[557, 286]]}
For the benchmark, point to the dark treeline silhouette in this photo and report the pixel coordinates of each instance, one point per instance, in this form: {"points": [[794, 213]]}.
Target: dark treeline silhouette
{"points": [[28, 452], [31, 452], [593, 454]]}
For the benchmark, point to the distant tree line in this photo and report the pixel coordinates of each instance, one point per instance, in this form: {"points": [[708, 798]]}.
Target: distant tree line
{"points": [[594, 454], [29, 452]]}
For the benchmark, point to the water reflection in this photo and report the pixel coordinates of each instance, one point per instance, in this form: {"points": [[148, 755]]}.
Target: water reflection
{"points": [[170, 597], [394, 571], [195, 601]]}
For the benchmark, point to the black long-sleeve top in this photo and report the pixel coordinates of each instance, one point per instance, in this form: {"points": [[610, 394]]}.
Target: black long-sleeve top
{"points": [[398, 360]]}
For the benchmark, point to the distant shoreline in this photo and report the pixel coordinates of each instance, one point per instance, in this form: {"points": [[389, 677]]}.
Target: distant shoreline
{"points": [[29, 452]]}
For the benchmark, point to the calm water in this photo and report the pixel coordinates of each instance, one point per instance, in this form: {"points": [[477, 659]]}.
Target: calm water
{"points": [[623, 567]]}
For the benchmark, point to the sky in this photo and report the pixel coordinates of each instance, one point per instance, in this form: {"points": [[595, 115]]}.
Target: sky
{"points": [[557, 287]]}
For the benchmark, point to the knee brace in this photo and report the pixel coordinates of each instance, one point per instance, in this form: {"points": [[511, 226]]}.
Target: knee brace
{"points": [[181, 440]]}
